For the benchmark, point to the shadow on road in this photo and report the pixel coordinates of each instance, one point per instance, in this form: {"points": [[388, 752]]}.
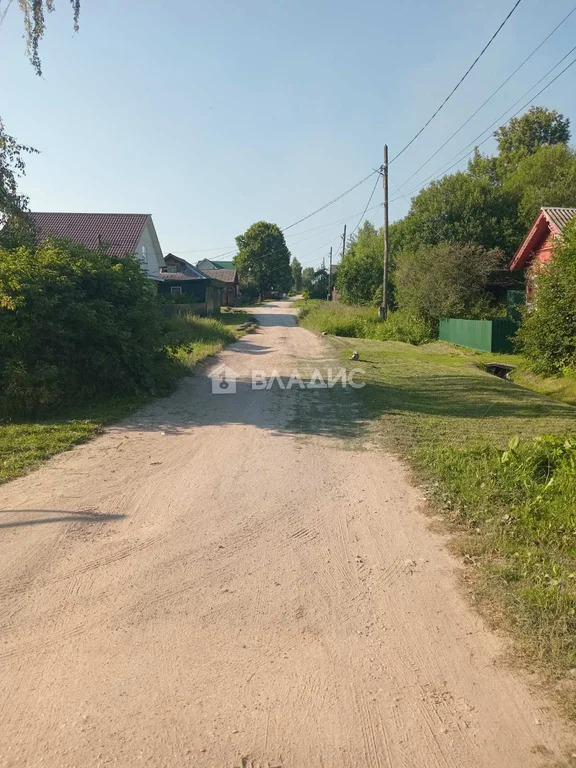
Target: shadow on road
{"points": [[58, 516]]}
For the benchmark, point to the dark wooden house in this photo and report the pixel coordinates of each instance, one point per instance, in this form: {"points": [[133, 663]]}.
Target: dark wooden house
{"points": [[190, 287]]}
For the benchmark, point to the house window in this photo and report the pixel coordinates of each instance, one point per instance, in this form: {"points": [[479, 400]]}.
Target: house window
{"points": [[171, 268], [143, 254], [176, 290]]}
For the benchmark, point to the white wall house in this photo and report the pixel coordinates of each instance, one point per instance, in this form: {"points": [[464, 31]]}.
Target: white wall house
{"points": [[149, 251]]}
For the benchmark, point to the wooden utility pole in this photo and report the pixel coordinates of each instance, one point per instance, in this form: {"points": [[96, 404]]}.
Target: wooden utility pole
{"points": [[344, 242], [330, 277], [384, 306]]}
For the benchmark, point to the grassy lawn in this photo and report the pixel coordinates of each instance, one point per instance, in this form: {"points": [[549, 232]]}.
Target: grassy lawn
{"points": [[500, 463], [25, 444]]}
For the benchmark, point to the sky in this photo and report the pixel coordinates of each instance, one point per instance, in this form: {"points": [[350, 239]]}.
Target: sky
{"points": [[214, 115]]}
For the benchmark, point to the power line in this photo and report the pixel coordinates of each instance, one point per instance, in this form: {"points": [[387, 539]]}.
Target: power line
{"points": [[459, 83], [5, 11], [444, 169], [361, 219], [335, 200], [473, 115], [293, 234]]}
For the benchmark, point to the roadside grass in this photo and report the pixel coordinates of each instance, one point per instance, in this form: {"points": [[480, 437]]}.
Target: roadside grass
{"points": [[499, 461], [25, 444], [192, 338], [362, 322]]}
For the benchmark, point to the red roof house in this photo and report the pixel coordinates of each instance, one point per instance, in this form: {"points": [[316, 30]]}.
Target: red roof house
{"points": [[536, 249], [117, 233]]}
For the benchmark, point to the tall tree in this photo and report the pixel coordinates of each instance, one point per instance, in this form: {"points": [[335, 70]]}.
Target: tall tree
{"points": [[539, 127], [296, 269], [307, 278], [359, 276], [546, 178], [263, 257], [461, 208]]}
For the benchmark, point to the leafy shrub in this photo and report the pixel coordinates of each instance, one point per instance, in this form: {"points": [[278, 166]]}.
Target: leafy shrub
{"points": [[445, 280], [76, 324], [548, 334]]}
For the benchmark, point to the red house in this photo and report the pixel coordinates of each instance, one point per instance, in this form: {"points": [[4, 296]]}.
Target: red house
{"points": [[536, 250]]}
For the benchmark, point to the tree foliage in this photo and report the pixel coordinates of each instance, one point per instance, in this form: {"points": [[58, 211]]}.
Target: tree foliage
{"points": [[536, 128], [462, 208], [547, 177], [319, 286], [75, 324], [445, 280], [263, 258], [15, 224], [359, 277], [307, 278], [35, 25], [548, 334], [296, 269]]}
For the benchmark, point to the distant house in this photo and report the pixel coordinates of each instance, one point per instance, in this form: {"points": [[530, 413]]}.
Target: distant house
{"points": [[209, 264], [536, 248], [225, 272], [117, 233], [180, 279]]}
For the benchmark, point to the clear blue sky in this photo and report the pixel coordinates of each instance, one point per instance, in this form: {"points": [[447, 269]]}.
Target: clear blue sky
{"points": [[212, 115]]}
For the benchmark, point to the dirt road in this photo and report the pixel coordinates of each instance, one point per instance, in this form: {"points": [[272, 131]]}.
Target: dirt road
{"points": [[243, 580]]}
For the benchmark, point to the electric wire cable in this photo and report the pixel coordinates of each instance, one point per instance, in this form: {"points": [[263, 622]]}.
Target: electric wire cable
{"points": [[327, 205], [442, 171], [459, 83], [361, 219], [507, 80]]}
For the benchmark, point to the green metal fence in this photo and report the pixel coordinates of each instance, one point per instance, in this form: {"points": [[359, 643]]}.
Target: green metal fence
{"points": [[485, 335]]}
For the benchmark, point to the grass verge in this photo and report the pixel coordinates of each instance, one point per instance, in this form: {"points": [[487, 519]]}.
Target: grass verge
{"points": [[25, 444], [362, 322], [500, 463]]}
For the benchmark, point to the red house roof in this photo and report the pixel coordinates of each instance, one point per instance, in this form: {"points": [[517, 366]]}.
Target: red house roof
{"points": [[550, 221], [119, 233]]}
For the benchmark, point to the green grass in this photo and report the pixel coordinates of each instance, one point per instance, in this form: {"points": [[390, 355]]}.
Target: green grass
{"points": [[192, 338], [500, 462], [361, 322], [25, 444]]}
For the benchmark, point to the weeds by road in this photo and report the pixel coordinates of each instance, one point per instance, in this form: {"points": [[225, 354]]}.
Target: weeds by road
{"points": [[362, 322], [500, 462], [24, 444]]}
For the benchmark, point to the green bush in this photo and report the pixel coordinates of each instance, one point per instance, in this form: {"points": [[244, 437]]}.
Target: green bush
{"points": [[76, 324], [548, 334], [445, 280]]}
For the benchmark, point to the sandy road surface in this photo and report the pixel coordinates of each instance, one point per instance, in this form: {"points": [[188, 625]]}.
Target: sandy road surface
{"points": [[212, 585]]}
